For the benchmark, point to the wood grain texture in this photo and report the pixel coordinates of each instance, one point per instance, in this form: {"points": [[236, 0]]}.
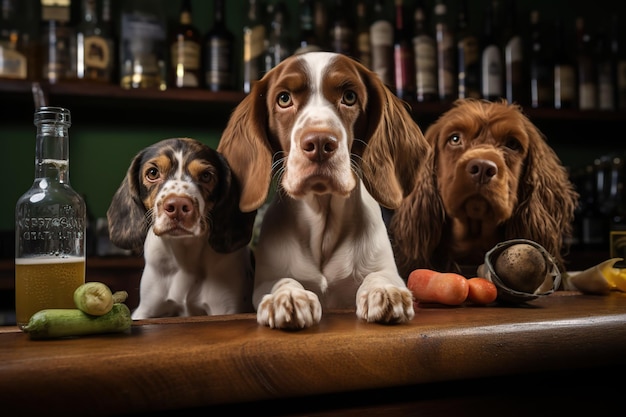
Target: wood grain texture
{"points": [[181, 363]]}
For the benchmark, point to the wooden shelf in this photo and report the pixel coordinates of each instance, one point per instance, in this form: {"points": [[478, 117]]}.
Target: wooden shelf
{"points": [[196, 104]]}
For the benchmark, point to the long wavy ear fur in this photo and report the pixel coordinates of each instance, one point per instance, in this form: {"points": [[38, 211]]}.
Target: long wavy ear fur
{"points": [[417, 226], [547, 199], [245, 145], [231, 229], [396, 149], [126, 215]]}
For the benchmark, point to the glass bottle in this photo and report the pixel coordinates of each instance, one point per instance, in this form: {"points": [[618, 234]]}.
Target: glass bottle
{"points": [[541, 70], [604, 71], [564, 70], [403, 59], [425, 53], [143, 45], [468, 53], [94, 46], [58, 41], [446, 72], [309, 40], [219, 64], [381, 37], [50, 224], [342, 38], [491, 65], [618, 49], [586, 71], [514, 74], [254, 43], [279, 44], [185, 51], [363, 44], [13, 53]]}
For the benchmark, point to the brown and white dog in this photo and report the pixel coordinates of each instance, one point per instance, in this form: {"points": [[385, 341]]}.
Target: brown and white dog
{"points": [[494, 178], [338, 143], [179, 204]]}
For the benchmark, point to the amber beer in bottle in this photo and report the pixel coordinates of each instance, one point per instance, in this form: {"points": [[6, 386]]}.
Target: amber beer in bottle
{"points": [[50, 224]]}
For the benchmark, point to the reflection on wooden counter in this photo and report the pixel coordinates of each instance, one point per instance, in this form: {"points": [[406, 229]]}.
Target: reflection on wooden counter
{"points": [[186, 363]]}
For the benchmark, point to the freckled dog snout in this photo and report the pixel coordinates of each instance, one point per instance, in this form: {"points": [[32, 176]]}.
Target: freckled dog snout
{"points": [[178, 207], [318, 147], [481, 170]]}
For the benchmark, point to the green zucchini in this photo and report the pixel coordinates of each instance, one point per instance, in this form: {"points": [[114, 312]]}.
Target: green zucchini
{"points": [[65, 322]]}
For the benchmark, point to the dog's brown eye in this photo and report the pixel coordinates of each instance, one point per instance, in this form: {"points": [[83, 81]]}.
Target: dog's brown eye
{"points": [[153, 174], [513, 144], [349, 98], [454, 139], [206, 176], [284, 99]]}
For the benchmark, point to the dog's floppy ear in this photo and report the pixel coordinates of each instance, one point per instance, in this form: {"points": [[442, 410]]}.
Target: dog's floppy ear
{"points": [[396, 149], [231, 228], [547, 198], [126, 215], [245, 145], [415, 246]]}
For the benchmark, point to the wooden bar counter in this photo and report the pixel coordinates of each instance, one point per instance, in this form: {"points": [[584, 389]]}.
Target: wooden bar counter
{"points": [[555, 353]]}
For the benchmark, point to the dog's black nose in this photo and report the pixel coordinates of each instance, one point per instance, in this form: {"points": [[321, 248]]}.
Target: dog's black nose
{"points": [[481, 170], [318, 147], [178, 207]]}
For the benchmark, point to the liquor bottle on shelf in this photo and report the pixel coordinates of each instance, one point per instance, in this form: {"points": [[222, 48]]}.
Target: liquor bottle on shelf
{"points": [[586, 71], [404, 61], [491, 59], [541, 70], [185, 51], [564, 70], [618, 50], [381, 36], [514, 71], [254, 45], [320, 24], [58, 41], [13, 44], [342, 37], [425, 53], [468, 56], [94, 46], [308, 38], [219, 57], [143, 45], [446, 67], [279, 44], [50, 224], [363, 44], [604, 71]]}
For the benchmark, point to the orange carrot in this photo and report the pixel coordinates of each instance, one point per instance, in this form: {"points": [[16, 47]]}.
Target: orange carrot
{"points": [[430, 286], [481, 291]]}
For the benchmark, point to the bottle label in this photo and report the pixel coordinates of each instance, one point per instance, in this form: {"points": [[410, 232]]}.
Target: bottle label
{"points": [[219, 72], [13, 64], [425, 51], [142, 51], [97, 52], [587, 96], [491, 73], [446, 70], [564, 86], [253, 42], [381, 36]]}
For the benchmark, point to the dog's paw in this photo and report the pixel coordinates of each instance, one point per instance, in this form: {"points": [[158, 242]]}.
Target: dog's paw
{"points": [[386, 304], [289, 308]]}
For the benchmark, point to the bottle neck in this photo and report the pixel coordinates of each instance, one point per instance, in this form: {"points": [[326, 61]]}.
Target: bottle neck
{"points": [[52, 151]]}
